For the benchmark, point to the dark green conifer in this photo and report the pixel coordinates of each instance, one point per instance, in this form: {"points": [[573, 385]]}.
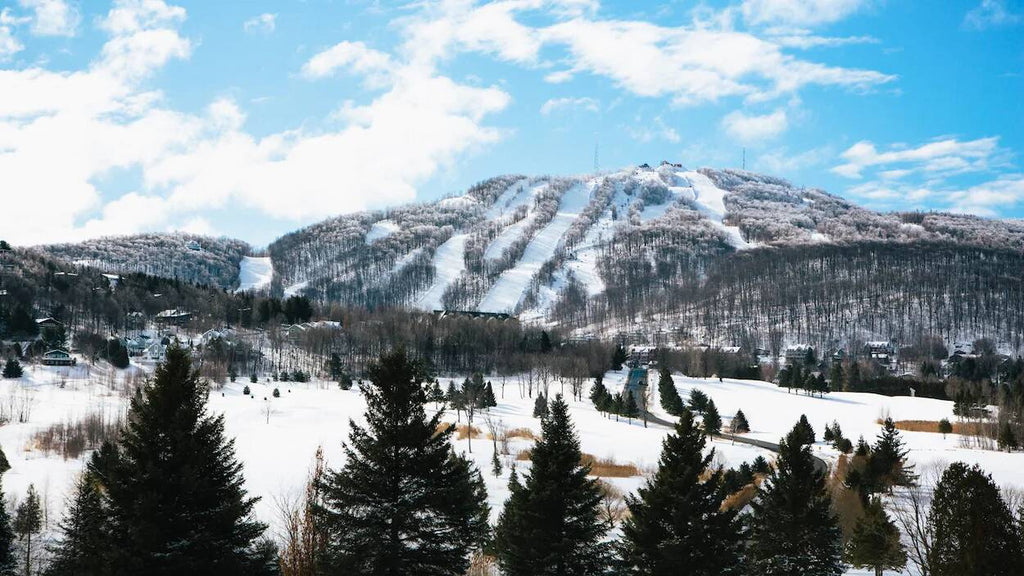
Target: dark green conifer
{"points": [[875, 542], [540, 407], [669, 396], [84, 533], [712, 420], [739, 424]]}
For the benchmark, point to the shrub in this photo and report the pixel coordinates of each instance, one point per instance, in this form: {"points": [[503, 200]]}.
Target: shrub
{"points": [[12, 369], [277, 393], [246, 390]]}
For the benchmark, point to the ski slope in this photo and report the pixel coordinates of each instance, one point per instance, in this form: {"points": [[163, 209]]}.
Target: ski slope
{"points": [[254, 273], [508, 290], [449, 262], [380, 230], [710, 200]]}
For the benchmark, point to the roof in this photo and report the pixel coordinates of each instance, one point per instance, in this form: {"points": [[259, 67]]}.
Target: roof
{"points": [[62, 353]]}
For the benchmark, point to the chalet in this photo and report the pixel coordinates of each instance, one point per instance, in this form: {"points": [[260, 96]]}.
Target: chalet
{"points": [[730, 350], [58, 358], [880, 350], [155, 352], [173, 317], [472, 314], [48, 322], [798, 353], [136, 346], [641, 355], [112, 279]]}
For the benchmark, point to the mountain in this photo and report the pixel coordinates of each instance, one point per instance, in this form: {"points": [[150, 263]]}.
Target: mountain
{"points": [[722, 256]]}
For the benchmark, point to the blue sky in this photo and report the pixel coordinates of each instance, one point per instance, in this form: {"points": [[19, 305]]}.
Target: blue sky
{"points": [[250, 119]]}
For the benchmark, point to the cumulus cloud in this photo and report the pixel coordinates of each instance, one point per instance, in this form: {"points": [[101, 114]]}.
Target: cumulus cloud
{"points": [[755, 128], [353, 57], [657, 129], [799, 12], [264, 23], [991, 13], [565, 104], [9, 44], [52, 17], [940, 157]]}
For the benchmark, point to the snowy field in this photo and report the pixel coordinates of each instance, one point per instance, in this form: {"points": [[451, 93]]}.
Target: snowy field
{"points": [[276, 438], [254, 273]]}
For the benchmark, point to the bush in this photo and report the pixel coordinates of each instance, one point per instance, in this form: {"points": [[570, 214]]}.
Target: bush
{"points": [[246, 390], [12, 369], [277, 393]]}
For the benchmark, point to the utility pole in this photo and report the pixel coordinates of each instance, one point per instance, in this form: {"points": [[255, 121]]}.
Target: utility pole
{"points": [[744, 158]]}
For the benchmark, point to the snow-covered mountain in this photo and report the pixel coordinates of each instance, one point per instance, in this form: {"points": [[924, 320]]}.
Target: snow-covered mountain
{"points": [[715, 253]]}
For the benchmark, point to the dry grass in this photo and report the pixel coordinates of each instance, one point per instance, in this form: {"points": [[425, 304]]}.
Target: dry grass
{"points": [[524, 455], [70, 439], [963, 428], [740, 499], [443, 427], [463, 432], [609, 468], [524, 433]]}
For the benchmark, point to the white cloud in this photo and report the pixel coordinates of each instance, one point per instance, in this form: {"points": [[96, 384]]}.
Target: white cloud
{"points": [[354, 57], [657, 129], [799, 12], [9, 45], [143, 37], [805, 41], [264, 23], [991, 13], [940, 157], [779, 162], [52, 17], [989, 198], [753, 128], [563, 104]]}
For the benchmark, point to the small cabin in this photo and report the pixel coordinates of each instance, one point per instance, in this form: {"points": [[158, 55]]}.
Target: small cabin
{"points": [[193, 245], [174, 317], [58, 358], [798, 353], [48, 322]]}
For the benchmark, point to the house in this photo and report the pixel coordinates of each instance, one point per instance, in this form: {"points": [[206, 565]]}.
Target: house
{"points": [[879, 350], [174, 317], [193, 245], [136, 346], [48, 322], [58, 358], [641, 354], [155, 352], [798, 353]]}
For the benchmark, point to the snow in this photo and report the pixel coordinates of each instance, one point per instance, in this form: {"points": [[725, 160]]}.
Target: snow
{"points": [[458, 202], [405, 260], [506, 292], [513, 197], [710, 200], [295, 289], [502, 210], [449, 262], [381, 229], [254, 273]]}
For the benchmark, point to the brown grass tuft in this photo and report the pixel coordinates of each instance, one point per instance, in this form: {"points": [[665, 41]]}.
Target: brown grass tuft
{"points": [[524, 433], [738, 500], [524, 455], [964, 428], [609, 468], [463, 432], [442, 427]]}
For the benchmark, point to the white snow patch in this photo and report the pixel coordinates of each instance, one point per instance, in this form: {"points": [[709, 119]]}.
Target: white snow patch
{"points": [[254, 273], [506, 292], [710, 200], [449, 262], [380, 230], [513, 197], [405, 260], [294, 289], [820, 238], [458, 202]]}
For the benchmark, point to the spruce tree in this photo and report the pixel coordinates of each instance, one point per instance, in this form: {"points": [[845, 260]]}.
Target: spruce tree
{"points": [[875, 542], [739, 424], [618, 357], [888, 465], [676, 523], [540, 407], [629, 408], [8, 558], [551, 522], [174, 487], [489, 401], [804, 431], [84, 533], [793, 529], [712, 420], [403, 503], [973, 530], [698, 401], [28, 521], [12, 369], [669, 396]]}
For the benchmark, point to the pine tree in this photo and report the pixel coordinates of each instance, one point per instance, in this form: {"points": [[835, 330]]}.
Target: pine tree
{"points": [[489, 401], [540, 407], [404, 503], [875, 542], [836, 376], [1006, 438], [551, 522], [599, 396], [629, 408], [676, 523], [945, 427], [8, 558], [174, 487], [618, 357], [698, 401], [712, 420], [4, 464], [12, 369], [793, 530], [28, 521], [973, 530], [85, 533], [739, 424], [669, 396], [804, 431], [888, 465]]}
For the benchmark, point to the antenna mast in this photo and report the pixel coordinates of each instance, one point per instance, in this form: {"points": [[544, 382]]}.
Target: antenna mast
{"points": [[744, 158], [596, 148]]}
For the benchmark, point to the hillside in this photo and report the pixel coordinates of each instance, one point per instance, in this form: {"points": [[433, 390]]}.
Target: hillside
{"points": [[673, 249]]}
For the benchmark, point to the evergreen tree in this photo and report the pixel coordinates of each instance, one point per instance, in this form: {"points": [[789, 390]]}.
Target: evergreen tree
{"points": [[676, 523], [888, 465], [12, 369], [551, 523], [404, 503], [875, 542], [489, 401], [618, 357], [836, 376], [629, 408], [698, 401], [669, 396], [793, 530], [804, 431], [599, 396], [8, 558], [739, 424], [945, 427], [540, 407], [974, 532], [760, 466], [1006, 438], [4, 464], [712, 420], [174, 487], [863, 449], [84, 533], [28, 521]]}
